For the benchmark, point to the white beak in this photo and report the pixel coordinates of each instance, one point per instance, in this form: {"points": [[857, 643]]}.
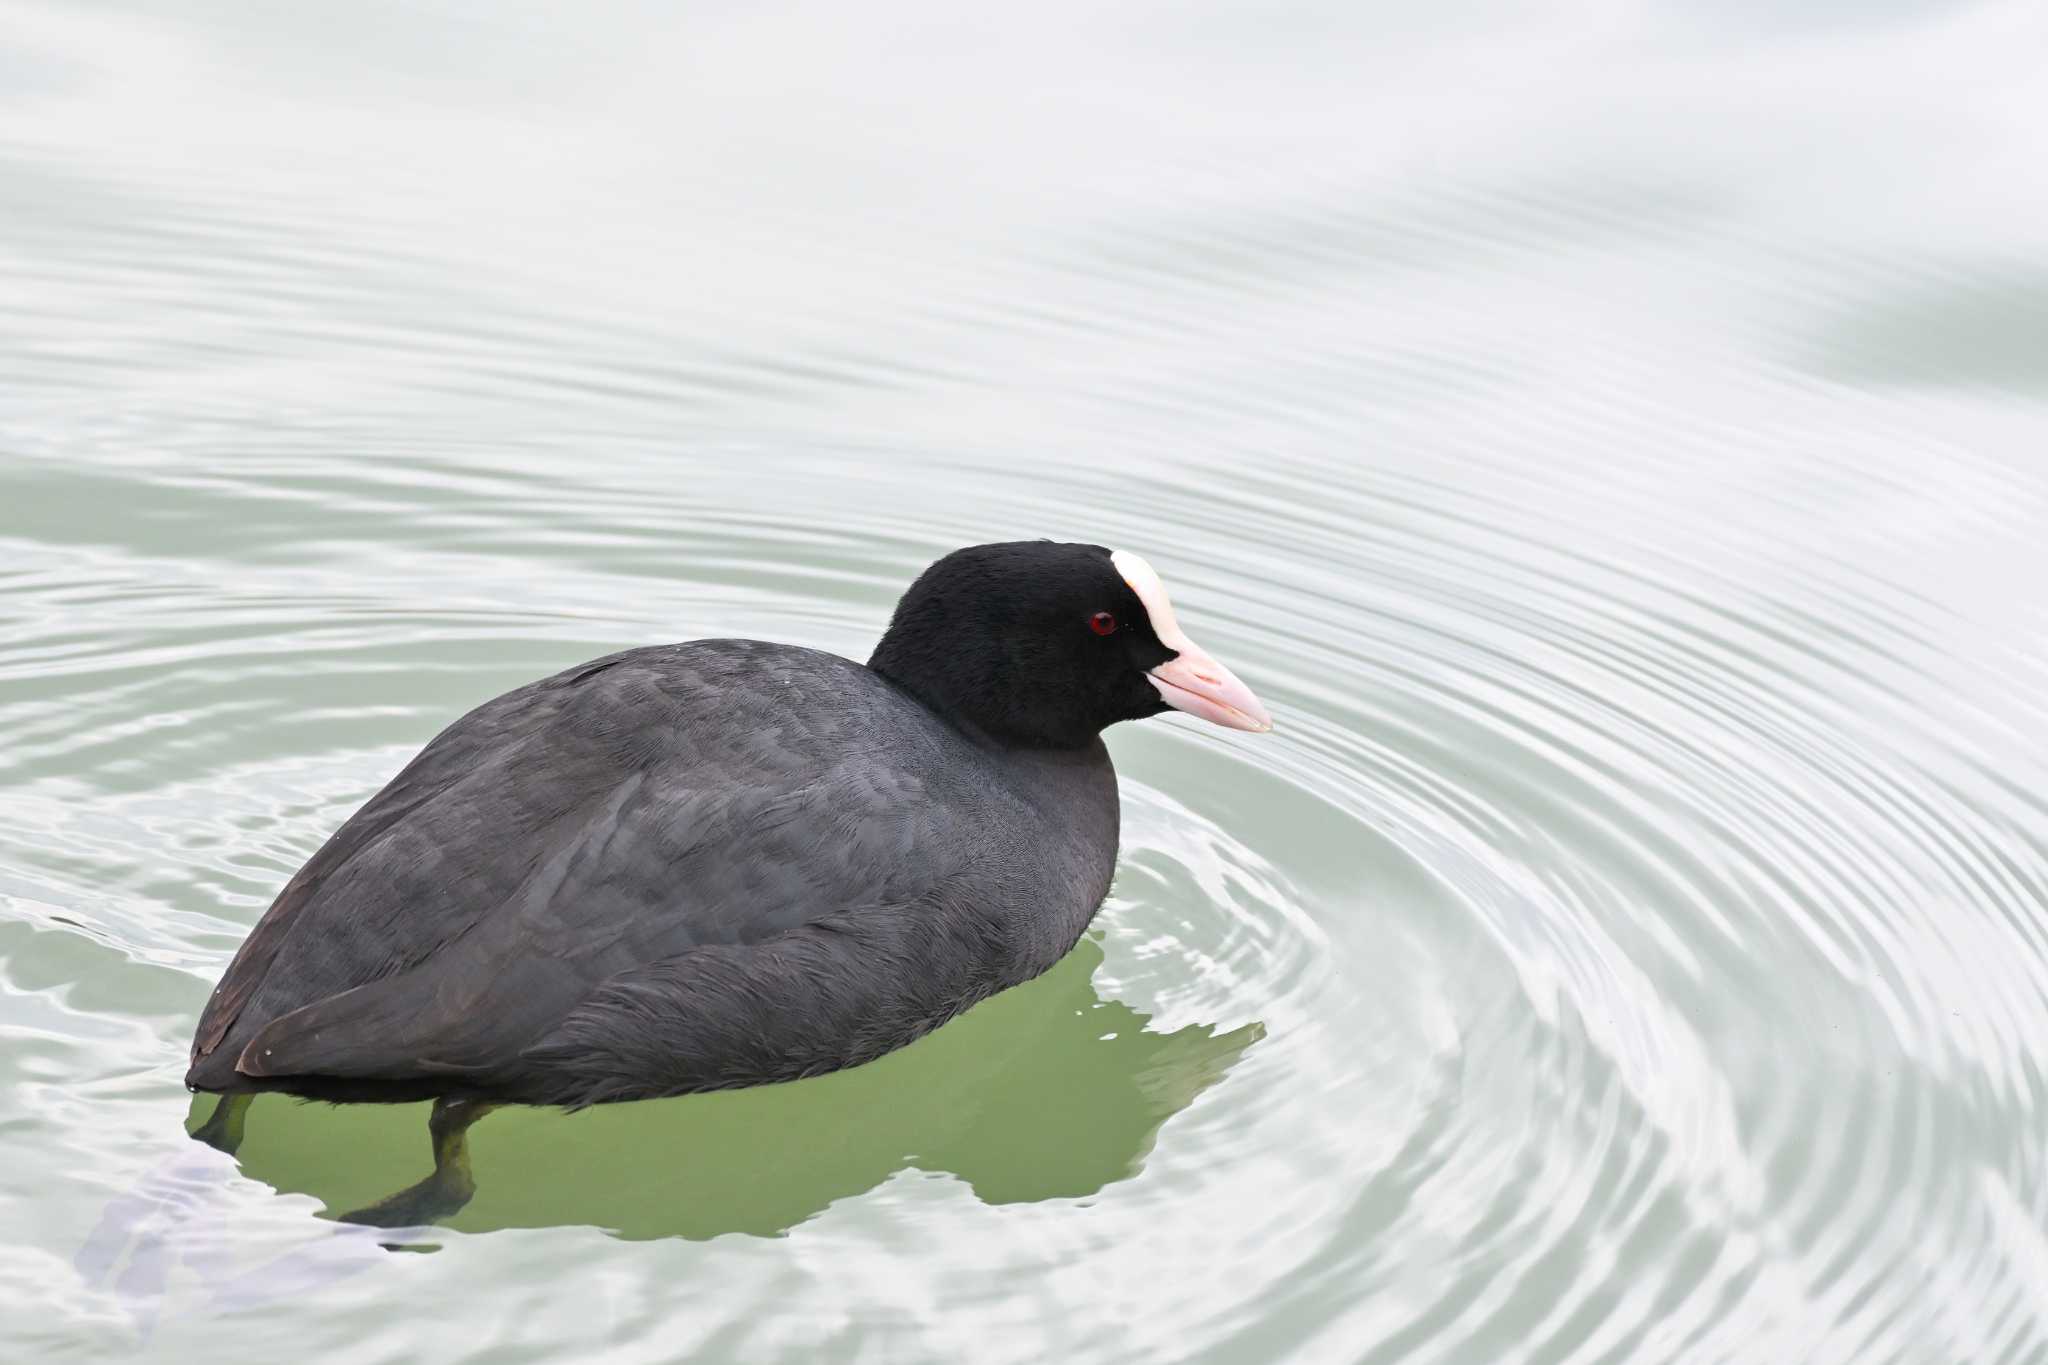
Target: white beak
{"points": [[1195, 683], [1191, 681]]}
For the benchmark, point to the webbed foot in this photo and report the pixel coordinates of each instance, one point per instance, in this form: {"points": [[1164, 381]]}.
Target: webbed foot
{"points": [[443, 1193], [222, 1130]]}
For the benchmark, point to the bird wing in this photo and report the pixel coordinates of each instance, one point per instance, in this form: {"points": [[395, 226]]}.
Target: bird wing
{"points": [[612, 817], [452, 759]]}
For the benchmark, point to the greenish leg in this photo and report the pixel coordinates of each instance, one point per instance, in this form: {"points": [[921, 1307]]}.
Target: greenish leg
{"points": [[223, 1127], [442, 1193]]}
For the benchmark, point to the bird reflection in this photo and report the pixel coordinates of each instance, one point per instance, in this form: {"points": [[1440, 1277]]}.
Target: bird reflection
{"points": [[1046, 1091]]}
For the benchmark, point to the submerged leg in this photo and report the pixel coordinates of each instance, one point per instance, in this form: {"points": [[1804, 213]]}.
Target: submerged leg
{"points": [[449, 1187], [223, 1127]]}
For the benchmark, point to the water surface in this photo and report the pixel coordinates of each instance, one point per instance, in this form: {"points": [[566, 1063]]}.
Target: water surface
{"points": [[1610, 437]]}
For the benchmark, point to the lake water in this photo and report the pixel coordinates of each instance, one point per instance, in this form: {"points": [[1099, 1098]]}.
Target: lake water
{"points": [[1612, 438]]}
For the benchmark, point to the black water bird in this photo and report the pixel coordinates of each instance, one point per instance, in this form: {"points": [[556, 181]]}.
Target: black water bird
{"points": [[714, 864]]}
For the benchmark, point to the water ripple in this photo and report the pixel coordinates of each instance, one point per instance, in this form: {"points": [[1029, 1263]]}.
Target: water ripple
{"points": [[1630, 945]]}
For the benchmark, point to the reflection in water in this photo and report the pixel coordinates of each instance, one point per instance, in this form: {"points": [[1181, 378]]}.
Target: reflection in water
{"points": [[1047, 1091], [1609, 437]]}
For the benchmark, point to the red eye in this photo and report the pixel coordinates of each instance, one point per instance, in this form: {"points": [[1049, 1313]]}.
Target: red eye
{"points": [[1102, 623]]}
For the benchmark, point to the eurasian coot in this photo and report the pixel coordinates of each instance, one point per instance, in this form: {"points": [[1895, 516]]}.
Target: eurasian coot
{"points": [[713, 864]]}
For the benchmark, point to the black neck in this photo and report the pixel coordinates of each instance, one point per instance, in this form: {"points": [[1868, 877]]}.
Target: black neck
{"points": [[965, 689]]}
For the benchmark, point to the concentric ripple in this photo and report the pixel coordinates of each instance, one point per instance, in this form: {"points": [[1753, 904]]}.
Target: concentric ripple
{"points": [[1631, 945]]}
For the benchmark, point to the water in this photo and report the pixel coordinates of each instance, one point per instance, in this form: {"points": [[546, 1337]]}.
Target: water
{"points": [[1609, 437]]}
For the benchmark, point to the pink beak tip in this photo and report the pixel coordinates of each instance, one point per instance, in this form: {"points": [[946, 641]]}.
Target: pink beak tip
{"points": [[1195, 683]]}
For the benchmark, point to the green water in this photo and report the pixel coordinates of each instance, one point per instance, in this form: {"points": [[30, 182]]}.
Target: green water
{"points": [[1610, 437]]}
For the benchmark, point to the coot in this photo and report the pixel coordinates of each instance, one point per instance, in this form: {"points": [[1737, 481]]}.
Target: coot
{"points": [[714, 864]]}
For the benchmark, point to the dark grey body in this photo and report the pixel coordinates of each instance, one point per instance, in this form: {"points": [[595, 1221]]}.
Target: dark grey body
{"points": [[674, 869]]}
